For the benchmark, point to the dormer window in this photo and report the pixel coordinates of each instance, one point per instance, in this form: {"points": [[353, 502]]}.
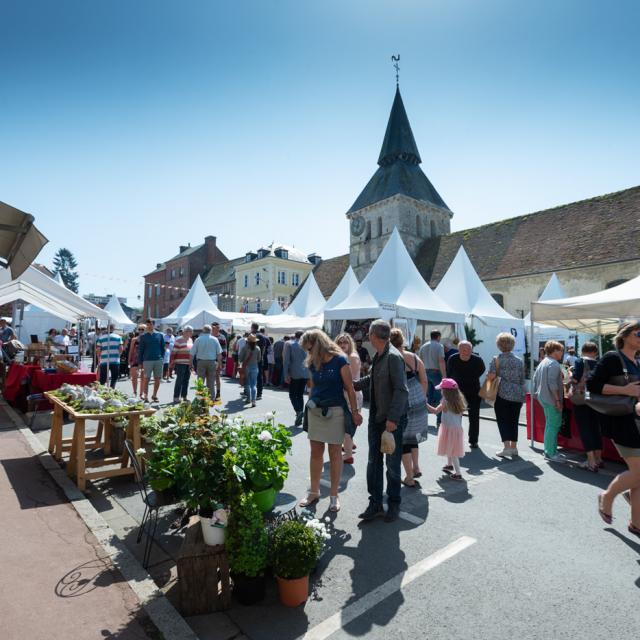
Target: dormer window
{"points": [[249, 256], [282, 253], [262, 253]]}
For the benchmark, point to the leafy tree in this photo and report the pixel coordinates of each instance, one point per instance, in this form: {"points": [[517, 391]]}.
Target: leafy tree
{"points": [[65, 264], [471, 335]]}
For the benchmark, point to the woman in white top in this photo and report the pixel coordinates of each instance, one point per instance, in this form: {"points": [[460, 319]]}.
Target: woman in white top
{"points": [[346, 343]]}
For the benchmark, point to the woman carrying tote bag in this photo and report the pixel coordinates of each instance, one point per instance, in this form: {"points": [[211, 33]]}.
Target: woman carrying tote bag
{"points": [[624, 430]]}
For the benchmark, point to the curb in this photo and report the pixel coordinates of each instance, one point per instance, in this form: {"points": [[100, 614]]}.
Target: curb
{"points": [[161, 612]]}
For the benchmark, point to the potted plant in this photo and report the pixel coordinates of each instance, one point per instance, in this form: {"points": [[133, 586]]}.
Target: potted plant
{"points": [[296, 546], [214, 527], [261, 450], [247, 546]]}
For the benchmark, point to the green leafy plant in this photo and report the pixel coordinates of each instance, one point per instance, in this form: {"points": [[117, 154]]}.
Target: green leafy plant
{"points": [[472, 336], [296, 546], [247, 541]]}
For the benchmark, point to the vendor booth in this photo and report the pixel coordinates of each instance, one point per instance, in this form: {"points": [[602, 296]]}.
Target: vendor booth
{"points": [[465, 293], [117, 317]]}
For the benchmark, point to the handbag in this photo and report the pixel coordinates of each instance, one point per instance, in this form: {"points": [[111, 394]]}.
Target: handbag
{"points": [[577, 391], [387, 443], [614, 405], [417, 396], [489, 390]]}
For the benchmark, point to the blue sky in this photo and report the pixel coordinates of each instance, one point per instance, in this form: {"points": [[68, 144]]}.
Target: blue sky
{"points": [[129, 128]]}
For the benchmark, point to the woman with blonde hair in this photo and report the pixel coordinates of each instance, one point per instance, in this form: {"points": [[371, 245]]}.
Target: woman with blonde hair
{"points": [[135, 370], [417, 415], [327, 415], [347, 344], [511, 393]]}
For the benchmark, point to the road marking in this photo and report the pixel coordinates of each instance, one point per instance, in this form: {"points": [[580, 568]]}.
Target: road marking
{"points": [[399, 581], [409, 517]]}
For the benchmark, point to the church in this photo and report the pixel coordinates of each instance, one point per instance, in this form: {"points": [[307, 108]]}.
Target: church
{"points": [[591, 245]]}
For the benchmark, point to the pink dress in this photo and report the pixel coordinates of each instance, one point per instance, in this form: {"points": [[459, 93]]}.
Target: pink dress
{"points": [[450, 435]]}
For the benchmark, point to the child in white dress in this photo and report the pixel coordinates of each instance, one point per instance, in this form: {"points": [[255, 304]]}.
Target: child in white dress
{"points": [[450, 433]]}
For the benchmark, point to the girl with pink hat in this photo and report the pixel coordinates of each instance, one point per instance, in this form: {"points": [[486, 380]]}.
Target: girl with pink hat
{"points": [[450, 433]]}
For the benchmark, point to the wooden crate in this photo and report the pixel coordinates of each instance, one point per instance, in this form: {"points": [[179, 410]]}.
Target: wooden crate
{"points": [[203, 574]]}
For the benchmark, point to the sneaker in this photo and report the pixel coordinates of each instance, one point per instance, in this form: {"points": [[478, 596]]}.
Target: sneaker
{"points": [[558, 457], [504, 453], [372, 512], [514, 452], [393, 512]]}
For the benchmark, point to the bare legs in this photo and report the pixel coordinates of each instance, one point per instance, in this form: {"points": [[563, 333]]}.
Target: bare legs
{"points": [[134, 372], [316, 462], [411, 466], [348, 447], [627, 480]]}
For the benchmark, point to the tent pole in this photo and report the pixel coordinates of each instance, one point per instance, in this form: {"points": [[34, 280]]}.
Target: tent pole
{"points": [[599, 339], [531, 351]]}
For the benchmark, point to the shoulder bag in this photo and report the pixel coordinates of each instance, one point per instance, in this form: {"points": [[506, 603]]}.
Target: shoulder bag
{"points": [[489, 390], [417, 396], [614, 405]]}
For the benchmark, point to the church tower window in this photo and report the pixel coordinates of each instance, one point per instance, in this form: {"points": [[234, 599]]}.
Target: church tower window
{"points": [[379, 226], [418, 226]]}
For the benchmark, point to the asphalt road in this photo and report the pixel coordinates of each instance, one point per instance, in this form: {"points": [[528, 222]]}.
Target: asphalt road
{"points": [[518, 551]]}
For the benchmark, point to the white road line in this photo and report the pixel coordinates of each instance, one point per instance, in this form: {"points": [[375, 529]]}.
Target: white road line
{"points": [[409, 517], [371, 599]]}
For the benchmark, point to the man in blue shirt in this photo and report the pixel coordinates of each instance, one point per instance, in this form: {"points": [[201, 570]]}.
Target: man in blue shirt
{"points": [[208, 354], [151, 355]]}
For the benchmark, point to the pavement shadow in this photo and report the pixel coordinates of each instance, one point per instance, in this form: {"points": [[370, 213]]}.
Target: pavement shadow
{"points": [[573, 472], [476, 462], [630, 543], [348, 472], [456, 491], [31, 483], [521, 469], [86, 577]]}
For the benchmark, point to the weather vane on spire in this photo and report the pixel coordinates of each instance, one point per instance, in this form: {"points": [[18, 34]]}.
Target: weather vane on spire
{"points": [[396, 66]]}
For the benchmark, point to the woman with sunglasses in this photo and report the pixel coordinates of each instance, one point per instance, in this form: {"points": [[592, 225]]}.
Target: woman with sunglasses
{"points": [[135, 370], [623, 430]]}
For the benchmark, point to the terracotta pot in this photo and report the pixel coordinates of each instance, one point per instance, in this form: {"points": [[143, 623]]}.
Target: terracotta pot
{"points": [[293, 592]]}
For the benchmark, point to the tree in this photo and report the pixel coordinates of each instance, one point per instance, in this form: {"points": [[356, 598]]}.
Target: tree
{"points": [[65, 264], [471, 335]]}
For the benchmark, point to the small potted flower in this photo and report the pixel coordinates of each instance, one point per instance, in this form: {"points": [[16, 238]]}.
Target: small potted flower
{"points": [[247, 545], [214, 527], [296, 546]]}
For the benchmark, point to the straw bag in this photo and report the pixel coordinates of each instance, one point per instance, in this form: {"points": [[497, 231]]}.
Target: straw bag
{"points": [[489, 390]]}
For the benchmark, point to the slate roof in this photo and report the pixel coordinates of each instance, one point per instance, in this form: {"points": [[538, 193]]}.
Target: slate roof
{"points": [[329, 273], [399, 170], [600, 230], [187, 252], [221, 273]]}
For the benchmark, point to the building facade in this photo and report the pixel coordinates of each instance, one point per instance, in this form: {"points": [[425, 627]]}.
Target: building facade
{"points": [[271, 273], [167, 285]]}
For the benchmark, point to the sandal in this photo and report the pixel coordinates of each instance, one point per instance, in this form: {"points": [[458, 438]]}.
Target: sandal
{"points": [[154, 398], [448, 468], [417, 474], [633, 529], [312, 498], [413, 485], [455, 476], [348, 460], [334, 504], [607, 517]]}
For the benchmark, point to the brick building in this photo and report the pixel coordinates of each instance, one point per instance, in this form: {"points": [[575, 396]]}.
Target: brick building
{"points": [[167, 285]]}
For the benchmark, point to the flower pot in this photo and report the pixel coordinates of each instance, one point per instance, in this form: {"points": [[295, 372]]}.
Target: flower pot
{"points": [[212, 534], [293, 592], [248, 589], [265, 499]]}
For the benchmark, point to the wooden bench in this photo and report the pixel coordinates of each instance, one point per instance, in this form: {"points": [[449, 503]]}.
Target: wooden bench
{"points": [[203, 574]]}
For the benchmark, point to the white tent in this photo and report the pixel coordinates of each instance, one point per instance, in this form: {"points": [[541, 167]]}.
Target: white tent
{"points": [[394, 288], [345, 288], [596, 313], [275, 309], [120, 320], [284, 324], [309, 301], [463, 290]]}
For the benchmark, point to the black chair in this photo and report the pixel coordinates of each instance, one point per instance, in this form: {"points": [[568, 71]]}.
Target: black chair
{"points": [[151, 506]]}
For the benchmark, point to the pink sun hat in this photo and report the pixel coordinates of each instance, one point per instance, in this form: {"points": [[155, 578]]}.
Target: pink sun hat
{"points": [[447, 383]]}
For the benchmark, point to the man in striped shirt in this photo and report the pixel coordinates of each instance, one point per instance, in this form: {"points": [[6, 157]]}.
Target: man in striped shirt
{"points": [[181, 363], [108, 350]]}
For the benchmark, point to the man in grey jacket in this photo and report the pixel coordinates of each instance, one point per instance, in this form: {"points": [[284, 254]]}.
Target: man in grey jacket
{"points": [[387, 384], [295, 375]]}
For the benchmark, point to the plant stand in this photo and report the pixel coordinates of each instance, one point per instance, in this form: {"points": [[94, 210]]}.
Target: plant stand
{"points": [[203, 574]]}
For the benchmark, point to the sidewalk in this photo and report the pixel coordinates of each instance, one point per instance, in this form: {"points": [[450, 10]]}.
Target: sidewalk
{"points": [[56, 581]]}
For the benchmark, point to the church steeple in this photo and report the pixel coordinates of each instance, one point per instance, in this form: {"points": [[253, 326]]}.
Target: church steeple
{"points": [[398, 143]]}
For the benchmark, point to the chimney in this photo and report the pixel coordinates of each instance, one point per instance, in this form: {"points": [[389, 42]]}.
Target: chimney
{"points": [[211, 250], [158, 265], [183, 248], [314, 258]]}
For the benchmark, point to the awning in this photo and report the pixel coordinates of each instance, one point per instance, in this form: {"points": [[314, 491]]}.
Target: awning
{"points": [[20, 240]]}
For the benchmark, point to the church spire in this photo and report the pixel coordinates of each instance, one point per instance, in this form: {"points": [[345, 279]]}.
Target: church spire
{"points": [[398, 143]]}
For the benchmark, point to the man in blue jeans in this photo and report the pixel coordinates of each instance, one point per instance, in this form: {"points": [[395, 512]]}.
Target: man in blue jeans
{"points": [[387, 384], [432, 355]]}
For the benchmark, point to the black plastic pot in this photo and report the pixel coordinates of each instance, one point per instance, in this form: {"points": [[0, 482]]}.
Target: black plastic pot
{"points": [[248, 590]]}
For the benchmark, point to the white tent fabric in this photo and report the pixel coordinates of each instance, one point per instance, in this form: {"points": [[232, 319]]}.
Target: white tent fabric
{"points": [[598, 312], [345, 288], [275, 309], [18, 290], [54, 293], [20, 240], [309, 301], [120, 320], [283, 324], [394, 288], [463, 290]]}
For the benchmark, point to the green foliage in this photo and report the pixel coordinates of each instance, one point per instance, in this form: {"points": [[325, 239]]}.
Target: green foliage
{"points": [[295, 549], [65, 264], [247, 541], [471, 335]]}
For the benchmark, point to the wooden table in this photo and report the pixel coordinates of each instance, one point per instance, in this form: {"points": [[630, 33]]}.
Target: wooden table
{"points": [[78, 445]]}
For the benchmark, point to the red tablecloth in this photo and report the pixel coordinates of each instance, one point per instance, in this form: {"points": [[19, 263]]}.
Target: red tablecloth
{"points": [[41, 381], [18, 376], [609, 451]]}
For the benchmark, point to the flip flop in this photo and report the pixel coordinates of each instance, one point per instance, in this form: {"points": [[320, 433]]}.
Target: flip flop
{"points": [[448, 468], [415, 485], [418, 474], [607, 517]]}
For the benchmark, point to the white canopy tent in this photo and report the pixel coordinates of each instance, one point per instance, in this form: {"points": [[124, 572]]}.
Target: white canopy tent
{"points": [[274, 309], [463, 290], [117, 317], [309, 301], [394, 288], [347, 285]]}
